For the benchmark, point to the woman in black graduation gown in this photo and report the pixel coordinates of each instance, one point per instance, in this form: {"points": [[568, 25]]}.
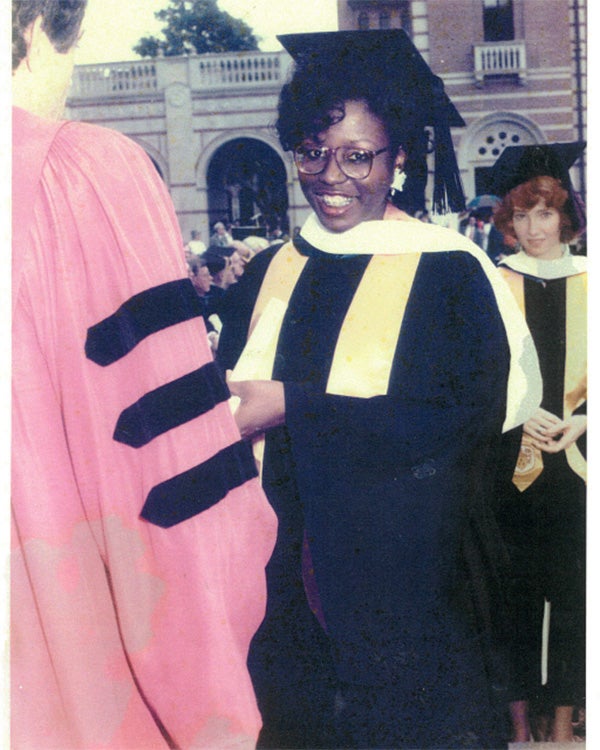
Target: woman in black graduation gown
{"points": [[542, 511], [383, 388]]}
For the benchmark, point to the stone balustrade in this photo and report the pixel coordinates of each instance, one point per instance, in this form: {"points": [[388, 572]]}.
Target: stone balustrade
{"points": [[210, 72], [245, 70], [113, 79], [500, 58]]}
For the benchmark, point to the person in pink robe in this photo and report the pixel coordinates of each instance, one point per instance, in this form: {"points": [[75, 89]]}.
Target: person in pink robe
{"points": [[140, 532]]}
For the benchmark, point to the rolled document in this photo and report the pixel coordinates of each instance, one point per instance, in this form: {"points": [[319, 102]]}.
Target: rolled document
{"points": [[256, 360]]}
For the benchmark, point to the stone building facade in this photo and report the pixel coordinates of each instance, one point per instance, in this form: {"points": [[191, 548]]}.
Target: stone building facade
{"points": [[515, 69]]}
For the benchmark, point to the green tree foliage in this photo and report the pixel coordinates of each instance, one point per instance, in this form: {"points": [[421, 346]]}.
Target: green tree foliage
{"points": [[197, 26]]}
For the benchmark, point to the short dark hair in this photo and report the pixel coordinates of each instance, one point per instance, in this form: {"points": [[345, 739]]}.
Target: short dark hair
{"points": [[314, 99], [215, 262], [197, 263], [61, 20]]}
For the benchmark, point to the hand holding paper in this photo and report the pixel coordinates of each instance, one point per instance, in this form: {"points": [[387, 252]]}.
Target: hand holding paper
{"points": [[260, 405], [257, 402]]}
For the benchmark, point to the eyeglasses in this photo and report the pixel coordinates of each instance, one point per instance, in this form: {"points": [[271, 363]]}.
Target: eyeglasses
{"points": [[355, 163]]}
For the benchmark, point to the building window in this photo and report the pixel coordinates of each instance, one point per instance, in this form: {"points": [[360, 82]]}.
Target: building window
{"points": [[384, 20], [498, 21], [363, 21]]}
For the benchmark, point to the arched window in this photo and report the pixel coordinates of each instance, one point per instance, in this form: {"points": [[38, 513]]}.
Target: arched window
{"points": [[491, 143], [363, 21], [485, 140]]}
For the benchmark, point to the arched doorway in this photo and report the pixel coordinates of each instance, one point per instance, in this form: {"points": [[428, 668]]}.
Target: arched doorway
{"points": [[246, 182]]}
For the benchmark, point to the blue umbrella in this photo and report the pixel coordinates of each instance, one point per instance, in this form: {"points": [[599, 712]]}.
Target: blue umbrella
{"points": [[483, 201]]}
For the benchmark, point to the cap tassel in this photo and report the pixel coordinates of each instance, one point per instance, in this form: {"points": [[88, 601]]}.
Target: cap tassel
{"points": [[448, 193]]}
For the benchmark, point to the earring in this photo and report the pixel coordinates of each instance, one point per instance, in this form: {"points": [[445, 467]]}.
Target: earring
{"points": [[398, 182]]}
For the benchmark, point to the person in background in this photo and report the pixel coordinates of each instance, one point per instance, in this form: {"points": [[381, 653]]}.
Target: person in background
{"points": [[200, 276], [202, 282], [278, 235], [247, 252], [473, 230], [255, 244], [139, 531], [483, 228], [542, 510], [381, 394], [466, 224], [239, 257], [220, 236], [195, 246], [496, 248], [219, 263]]}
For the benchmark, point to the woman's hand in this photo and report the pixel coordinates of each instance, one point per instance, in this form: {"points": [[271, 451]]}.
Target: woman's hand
{"points": [[551, 434], [262, 405]]}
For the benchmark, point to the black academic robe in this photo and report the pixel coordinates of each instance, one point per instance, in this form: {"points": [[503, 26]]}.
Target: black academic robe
{"points": [[544, 524], [389, 495]]}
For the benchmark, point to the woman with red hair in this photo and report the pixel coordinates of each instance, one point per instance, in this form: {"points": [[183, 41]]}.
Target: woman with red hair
{"points": [[542, 510]]}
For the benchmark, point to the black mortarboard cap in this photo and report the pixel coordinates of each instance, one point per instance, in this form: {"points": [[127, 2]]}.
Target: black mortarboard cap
{"points": [[215, 262], [222, 251], [391, 49], [518, 164], [392, 54]]}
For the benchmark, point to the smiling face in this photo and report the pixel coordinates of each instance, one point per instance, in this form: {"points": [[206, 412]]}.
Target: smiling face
{"points": [[339, 201], [538, 230]]}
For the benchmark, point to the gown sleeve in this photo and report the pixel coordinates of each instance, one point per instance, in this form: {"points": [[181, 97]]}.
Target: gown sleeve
{"points": [[124, 631]]}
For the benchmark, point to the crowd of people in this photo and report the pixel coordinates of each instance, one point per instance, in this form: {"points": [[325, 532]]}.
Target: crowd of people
{"points": [[326, 492], [480, 228], [215, 268]]}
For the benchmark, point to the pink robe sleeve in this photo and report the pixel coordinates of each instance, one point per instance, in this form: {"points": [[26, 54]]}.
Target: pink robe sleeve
{"points": [[139, 531]]}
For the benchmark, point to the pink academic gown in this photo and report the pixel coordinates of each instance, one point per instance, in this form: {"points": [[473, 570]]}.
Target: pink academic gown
{"points": [[139, 530]]}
